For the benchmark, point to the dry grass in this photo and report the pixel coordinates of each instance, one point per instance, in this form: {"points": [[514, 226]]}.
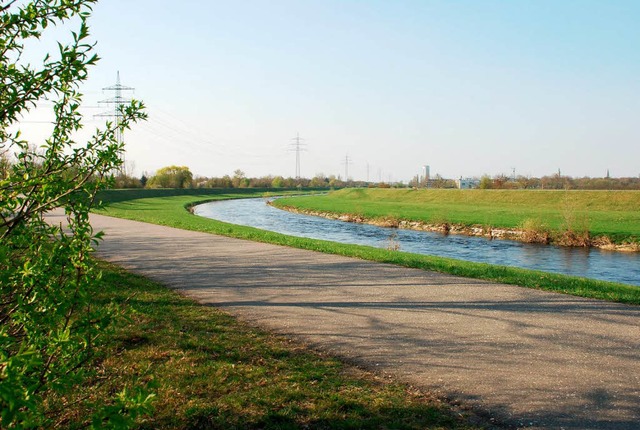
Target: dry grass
{"points": [[535, 231]]}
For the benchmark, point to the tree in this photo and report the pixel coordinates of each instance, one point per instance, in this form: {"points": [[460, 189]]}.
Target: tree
{"points": [[500, 181], [239, 179], [226, 182], [172, 177], [486, 182], [527, 182], [48, 325], [319, 181], [439, 182], [122, 180]]}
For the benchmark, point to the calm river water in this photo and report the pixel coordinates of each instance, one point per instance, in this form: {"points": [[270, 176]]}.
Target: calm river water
{"points": [[590, 263]]}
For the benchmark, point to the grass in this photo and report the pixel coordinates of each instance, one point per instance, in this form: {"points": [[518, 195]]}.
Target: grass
{"points": [[614, 214], [171, 211], [208, 370]]}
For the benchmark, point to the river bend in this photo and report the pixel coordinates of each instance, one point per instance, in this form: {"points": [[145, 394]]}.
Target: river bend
{"points": [[590, 263]]}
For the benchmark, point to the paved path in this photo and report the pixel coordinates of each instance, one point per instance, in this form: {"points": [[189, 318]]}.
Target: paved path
{"points": [[529, 358]]}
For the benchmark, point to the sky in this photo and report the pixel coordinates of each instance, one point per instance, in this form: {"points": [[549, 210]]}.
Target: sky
{"points": [[467, 87]]}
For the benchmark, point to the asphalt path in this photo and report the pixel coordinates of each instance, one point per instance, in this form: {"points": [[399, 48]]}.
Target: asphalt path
{"points": [[526, 358]]}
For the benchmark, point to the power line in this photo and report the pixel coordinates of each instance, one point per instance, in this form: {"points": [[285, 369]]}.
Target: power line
{"points": [[190, 134]]}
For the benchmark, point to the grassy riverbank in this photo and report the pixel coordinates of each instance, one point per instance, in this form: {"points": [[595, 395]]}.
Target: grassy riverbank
{"points": [[208, 370], [602, 214], [171, 211]]}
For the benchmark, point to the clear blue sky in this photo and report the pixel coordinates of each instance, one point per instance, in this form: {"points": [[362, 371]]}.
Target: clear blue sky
{"points": [[467, 87]]}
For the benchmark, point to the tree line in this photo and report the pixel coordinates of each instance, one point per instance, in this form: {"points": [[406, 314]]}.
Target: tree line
{"points": [[550, 182], [182, 177], [559, 182]]}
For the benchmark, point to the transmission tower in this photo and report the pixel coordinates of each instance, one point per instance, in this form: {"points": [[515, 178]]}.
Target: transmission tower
{"points": [[346, 162], [298, 147], [117, 101]]}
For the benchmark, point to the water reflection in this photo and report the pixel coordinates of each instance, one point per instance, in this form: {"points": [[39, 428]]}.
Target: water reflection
{"points": [[590, 263]]}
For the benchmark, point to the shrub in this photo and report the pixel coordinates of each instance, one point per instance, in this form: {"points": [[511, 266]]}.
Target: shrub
{"points": [[535, 231], [48, 326]]}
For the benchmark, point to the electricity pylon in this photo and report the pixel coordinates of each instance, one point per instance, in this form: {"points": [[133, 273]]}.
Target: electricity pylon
{"points": [[117, 101], [297, 146], [346, 162]]}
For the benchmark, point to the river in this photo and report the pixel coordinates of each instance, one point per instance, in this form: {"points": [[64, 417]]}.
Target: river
{"points": [[590, 263]]}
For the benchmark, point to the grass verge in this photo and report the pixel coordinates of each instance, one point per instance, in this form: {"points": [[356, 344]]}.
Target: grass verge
{"points": [[209, 370], [171, 211]]}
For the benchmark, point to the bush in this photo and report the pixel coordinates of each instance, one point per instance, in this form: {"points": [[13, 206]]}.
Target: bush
{"points": [[535, 231], [48, 326]]}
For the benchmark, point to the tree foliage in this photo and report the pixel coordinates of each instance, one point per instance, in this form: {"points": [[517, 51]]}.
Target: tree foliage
{"points": [[172, 177], [48, 325]]}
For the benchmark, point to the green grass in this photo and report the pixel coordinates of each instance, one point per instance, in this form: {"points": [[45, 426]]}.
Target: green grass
{"points": [[171, 211], [209, 370], [615, 214], [112, 196]]}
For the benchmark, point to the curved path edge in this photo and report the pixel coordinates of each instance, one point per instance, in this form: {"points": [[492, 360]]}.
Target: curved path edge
{"points": [[528, 358]]}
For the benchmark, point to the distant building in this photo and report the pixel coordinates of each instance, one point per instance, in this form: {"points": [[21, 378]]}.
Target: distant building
{"points": [[468, 183], [426, 175]]}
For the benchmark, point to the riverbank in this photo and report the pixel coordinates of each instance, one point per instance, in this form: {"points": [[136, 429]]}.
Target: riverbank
{"points": [[604, 219], [531, 235]]}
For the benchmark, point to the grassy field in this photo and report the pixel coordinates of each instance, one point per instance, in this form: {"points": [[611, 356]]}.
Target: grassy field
{"points": [[170, 211], [615, 214], [209, 371]]}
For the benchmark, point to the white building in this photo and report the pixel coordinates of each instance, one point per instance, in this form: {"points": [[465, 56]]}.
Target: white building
{"points": [[468, 183]]}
